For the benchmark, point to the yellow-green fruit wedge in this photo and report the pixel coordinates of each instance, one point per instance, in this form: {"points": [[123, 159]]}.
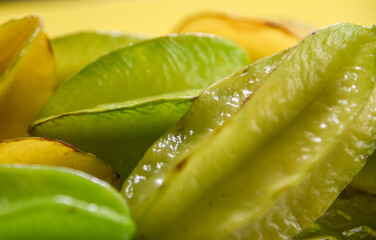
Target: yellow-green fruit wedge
{"points": [[43, 151], [352, 216], [27, 74], [74, 51], [366, 179], [209, 111], [120, 104], [260, 37], [271, 168], [44, 202]]}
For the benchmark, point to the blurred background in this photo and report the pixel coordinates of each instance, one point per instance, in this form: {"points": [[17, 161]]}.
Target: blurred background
{"points": [[158, 17]]}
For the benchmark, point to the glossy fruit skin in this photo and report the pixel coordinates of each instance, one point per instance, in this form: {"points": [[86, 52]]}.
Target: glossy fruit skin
{"points": [[119, 135], [295, 108], [167, 64], [74, 51], [261, 37], [40, 202], [27, 74], [43, 151], [209, 111], [352, 216], [123, 117], [366, 178]]}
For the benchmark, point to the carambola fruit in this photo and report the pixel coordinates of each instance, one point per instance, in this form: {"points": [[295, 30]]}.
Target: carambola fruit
{"points": [[27, 74], [351, 216], [261, 37], [43, 151], [44, 202], [117, 106], [366, 178], [74, 51], [271, 165]]}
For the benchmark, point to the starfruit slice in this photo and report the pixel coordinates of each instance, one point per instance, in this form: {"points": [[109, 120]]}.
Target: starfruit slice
{"points": [[265, 172], [130, 97], [27, 74], [74, 51], [352, 216], [366, 179], [260, 37], [43, 151], [43, 202], [209, 111]]}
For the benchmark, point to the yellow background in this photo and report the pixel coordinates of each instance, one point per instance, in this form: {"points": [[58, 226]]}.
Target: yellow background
{"points": [[157, 17]]}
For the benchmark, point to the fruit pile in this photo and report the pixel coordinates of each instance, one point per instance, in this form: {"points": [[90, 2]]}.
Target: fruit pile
{"points": [[229, 128]]}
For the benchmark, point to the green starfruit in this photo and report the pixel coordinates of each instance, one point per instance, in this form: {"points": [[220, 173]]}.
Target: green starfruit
{"points": [[271, 167], [366, 179], [74, 51], [41, 202], [120, 104], [352, 216]]}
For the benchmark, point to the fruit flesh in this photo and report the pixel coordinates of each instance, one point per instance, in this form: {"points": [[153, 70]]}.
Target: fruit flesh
{"points": [[291, 108], [41, 151], [29, 70], [15, 35], [209, 111], [324, 183]]}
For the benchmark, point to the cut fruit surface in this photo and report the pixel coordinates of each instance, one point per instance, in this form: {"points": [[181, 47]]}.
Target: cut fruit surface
{"points": [[242, 181], [27, 74], [131, 96], [209, 111], [42, 151]]}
